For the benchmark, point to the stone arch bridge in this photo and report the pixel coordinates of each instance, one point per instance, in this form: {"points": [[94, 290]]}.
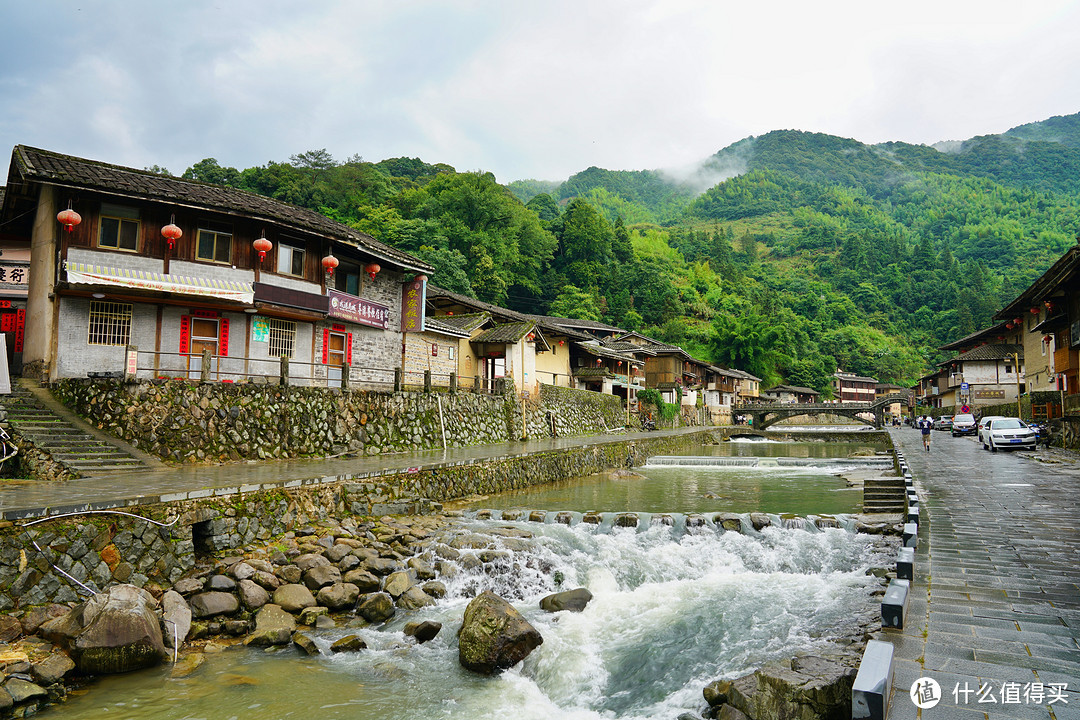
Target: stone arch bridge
{"points": [[766, 415]]}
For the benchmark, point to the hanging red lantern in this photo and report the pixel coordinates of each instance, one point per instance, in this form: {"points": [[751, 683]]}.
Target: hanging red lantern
{"points": [[1034, 311], [1049, 305], [1047, 339], [1018, 321], [598, 361], [263, 246], [329, 263], [68, 218], [372, 269], [172, 232], [531, 337]]}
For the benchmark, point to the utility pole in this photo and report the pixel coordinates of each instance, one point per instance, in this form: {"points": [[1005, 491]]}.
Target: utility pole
{"points": [[1016, 369]]}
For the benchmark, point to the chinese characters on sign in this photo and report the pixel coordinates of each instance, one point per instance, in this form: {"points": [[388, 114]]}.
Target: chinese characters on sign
{"points": [[362, 312], [260, 329], [412, 306], [14, 274]]}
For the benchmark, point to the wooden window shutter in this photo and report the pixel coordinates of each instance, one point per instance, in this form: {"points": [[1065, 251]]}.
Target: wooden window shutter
{"points": [[325, 347], [185, 333]]}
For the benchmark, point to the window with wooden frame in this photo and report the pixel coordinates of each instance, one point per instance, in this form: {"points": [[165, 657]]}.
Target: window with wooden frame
{"points": [[110, 323], [290, 259], [347, 278], [214, 242], [118, 228], [282, 337]]}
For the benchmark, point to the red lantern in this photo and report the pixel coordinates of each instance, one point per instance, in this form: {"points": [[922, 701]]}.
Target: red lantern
{"points": [[1034, 311], [372, 269], [1018, 321], [171, 232], [598, 361], [1047, 338], [531, 337], [329, 263], [68, 218], [1049, 305], [263, 246]]}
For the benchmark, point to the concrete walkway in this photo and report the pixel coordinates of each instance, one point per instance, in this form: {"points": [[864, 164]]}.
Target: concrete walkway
{"points": [[996, 596], [22, 499]]}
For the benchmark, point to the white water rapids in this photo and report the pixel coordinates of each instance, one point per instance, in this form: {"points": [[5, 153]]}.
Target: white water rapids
{"points": [[672, 611]]}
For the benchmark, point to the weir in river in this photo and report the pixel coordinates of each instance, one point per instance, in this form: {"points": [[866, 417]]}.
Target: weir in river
{"points": [[673, 608]]}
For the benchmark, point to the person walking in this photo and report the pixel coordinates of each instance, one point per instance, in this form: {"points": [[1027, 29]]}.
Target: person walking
{"points": [[925, 425]]}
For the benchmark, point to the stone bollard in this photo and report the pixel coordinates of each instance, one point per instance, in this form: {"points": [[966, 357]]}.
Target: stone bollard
{"points": [[345, 377], [873, 682], [399, 379], [895, 604], [905, 563], [911, 535], [204, 371], [476, 384], [283, 370], [427, 381], [453, 383], [913, 512]]}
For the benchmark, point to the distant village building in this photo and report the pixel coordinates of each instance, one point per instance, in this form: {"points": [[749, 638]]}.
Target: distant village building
{"points": [[852, 388]]}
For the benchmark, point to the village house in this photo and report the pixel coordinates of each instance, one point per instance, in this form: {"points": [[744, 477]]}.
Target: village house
{"points": [[148, 274], [14, 284], [989, 364], [851, 388], [793, 394], [1047, 314]]}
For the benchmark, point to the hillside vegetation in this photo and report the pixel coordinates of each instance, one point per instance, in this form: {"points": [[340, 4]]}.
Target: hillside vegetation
{"points": [[816, 253]]}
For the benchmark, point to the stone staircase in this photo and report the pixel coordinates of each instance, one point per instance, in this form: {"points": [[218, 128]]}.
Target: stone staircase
{"points": [[884, 495], [67, 440]]}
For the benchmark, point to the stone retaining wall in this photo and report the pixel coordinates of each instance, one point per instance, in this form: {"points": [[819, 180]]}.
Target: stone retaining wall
{"points": [[99, 550], [183, 421]]}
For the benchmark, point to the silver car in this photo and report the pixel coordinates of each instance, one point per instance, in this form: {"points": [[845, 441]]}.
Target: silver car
{"points": [[1009, 433]]}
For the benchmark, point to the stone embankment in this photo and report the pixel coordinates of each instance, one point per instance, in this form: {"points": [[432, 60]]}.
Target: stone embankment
{"points": [[184, 421]]}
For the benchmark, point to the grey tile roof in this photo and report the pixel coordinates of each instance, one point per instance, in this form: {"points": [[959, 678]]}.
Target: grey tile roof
{"points": [[54, 168], [505, 333], [990, 352], [436, 324], [466, 322]]}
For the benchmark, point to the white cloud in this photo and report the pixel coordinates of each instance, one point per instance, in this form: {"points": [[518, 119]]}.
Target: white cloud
{"points": [[521, 89]]}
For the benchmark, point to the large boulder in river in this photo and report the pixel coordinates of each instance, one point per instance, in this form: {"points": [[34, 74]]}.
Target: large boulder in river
{"points": [[494, 636], [113, 632], [573, 600]]}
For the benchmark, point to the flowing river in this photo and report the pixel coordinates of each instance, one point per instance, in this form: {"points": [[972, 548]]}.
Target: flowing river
{"points": [[673, 609]]}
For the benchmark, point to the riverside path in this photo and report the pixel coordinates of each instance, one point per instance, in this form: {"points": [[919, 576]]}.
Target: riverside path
{"points": [[994, 617], [23, 499]]}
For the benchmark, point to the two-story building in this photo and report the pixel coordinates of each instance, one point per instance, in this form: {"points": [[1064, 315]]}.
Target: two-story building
{"points": [[852, 388], [794, 394], [180, 270]]}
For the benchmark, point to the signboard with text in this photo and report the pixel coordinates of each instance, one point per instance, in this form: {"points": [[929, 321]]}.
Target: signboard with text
{"points": [[357, 310], [412, 306]]}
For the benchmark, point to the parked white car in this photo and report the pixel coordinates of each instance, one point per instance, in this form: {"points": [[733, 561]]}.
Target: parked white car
{"points": [[983, 422], [1009, 434]]}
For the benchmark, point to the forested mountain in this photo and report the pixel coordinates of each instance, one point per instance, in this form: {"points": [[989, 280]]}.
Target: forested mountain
{"points": [[816, 252]]}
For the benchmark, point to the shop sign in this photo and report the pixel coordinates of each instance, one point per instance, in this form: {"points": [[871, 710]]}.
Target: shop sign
{"points": [[357, 310]]}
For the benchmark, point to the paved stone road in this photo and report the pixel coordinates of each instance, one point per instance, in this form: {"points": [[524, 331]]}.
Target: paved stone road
{"points": [[996, 597]]}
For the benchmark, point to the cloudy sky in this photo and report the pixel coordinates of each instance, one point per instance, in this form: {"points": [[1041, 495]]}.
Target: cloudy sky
{"points": [[524, 89]]}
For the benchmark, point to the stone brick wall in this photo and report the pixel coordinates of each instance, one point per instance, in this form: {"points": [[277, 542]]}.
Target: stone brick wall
{"points": [[184, 421]]}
